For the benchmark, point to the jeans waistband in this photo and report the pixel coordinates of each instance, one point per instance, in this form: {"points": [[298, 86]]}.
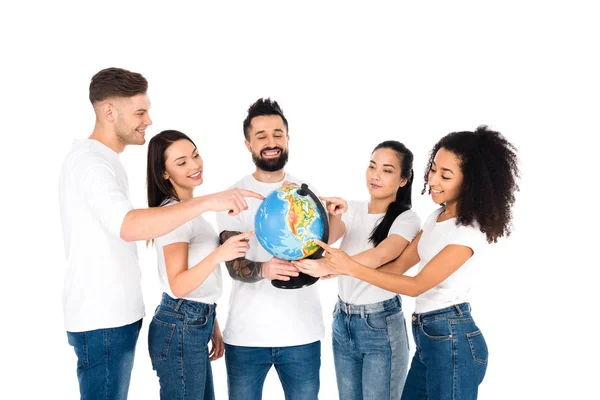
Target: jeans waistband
{"points": [[457, 310], [183, 305], [365, 309]]}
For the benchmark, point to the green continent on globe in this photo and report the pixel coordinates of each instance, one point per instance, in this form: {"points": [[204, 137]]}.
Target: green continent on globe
{"points": [[298, 218]]}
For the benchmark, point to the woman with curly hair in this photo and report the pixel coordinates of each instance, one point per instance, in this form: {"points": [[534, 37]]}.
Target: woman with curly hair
{"points": [[473, 176]]}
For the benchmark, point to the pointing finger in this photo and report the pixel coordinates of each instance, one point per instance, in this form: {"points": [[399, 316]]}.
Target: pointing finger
{"points": [[323, 245], [250, 193]]}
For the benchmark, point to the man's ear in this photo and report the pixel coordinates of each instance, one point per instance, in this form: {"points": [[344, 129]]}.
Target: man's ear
{"points": [[107, 111]]}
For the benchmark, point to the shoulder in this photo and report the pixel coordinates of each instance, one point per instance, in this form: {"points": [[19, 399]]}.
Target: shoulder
{"points": [[432, 219], [354, 208], [407, 225], [409, 216], [470, 236], [84, 159]]}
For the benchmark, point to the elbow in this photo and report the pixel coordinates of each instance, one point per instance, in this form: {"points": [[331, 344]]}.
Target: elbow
{"points": [[178, 292], [415, 291], [126, 232], [127, 236], [231, 269]]}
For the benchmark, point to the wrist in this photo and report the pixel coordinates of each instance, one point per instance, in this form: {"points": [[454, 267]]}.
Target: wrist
{"points": [[203, 204], [351, 270]]}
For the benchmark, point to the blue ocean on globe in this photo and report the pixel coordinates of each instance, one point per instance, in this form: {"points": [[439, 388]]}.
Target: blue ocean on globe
{"points": [[287, 223]]}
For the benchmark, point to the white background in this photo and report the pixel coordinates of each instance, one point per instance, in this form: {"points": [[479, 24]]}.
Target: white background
{"points": [[348, 75]]}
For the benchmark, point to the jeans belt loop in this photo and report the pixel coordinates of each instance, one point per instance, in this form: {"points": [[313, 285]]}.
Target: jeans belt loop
{"points": [[362, 312], [179, 303], [460, 313]]}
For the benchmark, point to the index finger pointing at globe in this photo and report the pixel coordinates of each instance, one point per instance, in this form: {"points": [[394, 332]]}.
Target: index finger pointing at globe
{"points": [[250, 193], [323, 245]]}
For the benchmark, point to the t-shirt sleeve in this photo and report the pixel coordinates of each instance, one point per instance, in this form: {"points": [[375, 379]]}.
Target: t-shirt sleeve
{"points": [[178, 235], [469, 236], [406, 225], [103, 195]]}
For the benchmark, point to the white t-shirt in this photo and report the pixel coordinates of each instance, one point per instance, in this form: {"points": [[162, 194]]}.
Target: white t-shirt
{"points": [[437, 235], [261, 315], [202, 240], [359, 225], [102, 284]]}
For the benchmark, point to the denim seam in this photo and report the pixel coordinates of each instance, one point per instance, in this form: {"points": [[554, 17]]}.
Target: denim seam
{"points": [[423, 320], [454, 365], [164, 353], [469, 339], [106, 361], [394, 352], [362, 311], [86, 359], [436, 338], [366, 320], [460, 320], [176, 315]]}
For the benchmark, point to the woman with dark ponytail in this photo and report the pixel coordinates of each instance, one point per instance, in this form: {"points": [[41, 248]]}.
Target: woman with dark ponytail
{"points": [[370, 342], [473, 177]]}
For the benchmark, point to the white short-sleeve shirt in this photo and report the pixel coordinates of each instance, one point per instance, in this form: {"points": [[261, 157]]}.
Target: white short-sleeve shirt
{"points": [[261, 315], [102, 282], [359, 226], [437, 235], [202, 240]]}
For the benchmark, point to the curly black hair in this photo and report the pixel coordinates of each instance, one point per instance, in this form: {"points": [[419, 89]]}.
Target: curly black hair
{"points": [[490, 172]]}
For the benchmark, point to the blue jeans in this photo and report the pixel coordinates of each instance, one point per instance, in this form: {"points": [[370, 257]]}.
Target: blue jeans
{"points": [[178, 345], [297, 367], [451, 356], [105, 360], [370, 350]]}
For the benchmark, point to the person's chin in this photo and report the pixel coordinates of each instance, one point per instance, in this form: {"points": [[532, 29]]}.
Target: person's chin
{"points": [[438, 200]]}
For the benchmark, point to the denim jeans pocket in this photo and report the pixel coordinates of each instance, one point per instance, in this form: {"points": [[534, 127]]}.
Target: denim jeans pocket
{"points": [[79, 341], [160, 335], [195, 320], [379, 321], [478, 346], [438, 329]]}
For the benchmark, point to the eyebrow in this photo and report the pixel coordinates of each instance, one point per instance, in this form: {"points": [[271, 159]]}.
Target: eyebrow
{"points": [[178, 158], [141, 109], [263, 131], [385, 165], [443, 168]]}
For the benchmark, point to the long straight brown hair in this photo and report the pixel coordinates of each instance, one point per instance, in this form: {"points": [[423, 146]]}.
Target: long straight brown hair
{"points": [[159, 189]]}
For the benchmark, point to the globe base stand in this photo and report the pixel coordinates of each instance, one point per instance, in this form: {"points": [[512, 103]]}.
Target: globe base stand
{"points": [[295, 282]]}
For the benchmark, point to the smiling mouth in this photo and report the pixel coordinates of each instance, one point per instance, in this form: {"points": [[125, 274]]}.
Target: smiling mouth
{"points": [[436, 191], [270, 153], [196, 175]]}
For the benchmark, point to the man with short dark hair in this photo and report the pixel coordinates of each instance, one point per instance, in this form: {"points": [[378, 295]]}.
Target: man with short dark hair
{"points": [[268, 326], [102, 296]]}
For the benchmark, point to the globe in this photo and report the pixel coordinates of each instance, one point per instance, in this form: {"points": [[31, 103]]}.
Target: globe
{"points": [[288, 221]]}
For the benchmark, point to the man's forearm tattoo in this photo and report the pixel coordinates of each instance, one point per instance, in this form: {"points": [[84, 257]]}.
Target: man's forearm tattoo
{"points": [[241, 269]]}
